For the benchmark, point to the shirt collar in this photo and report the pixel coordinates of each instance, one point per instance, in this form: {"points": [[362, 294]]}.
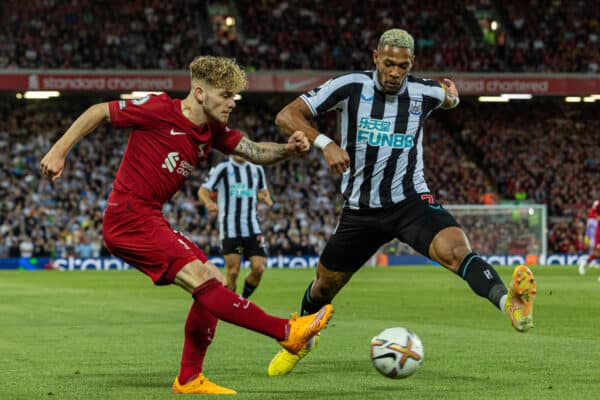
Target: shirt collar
{"points": [[380, 88], [237, 163]]}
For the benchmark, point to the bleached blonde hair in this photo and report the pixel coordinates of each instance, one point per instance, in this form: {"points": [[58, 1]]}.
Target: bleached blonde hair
{"points": [[220, 72], [397, 38]]}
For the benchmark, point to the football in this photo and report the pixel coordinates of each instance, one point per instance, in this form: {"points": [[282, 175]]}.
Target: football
{"points": [[396, 352]]}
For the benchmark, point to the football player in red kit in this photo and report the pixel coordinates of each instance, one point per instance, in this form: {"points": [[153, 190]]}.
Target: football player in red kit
{"points": [[592, 237], [168, 138]]}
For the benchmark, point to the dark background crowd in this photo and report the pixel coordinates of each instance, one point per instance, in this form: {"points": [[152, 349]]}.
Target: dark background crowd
{"points": [[541, 151], [529, 36]]}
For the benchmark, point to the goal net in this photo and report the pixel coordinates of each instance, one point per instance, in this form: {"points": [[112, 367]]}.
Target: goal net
{"points": [[503, 229]]}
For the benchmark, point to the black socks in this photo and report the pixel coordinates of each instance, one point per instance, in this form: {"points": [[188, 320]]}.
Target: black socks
{"points": [[482, 278], [308, 305], [248, 290]]}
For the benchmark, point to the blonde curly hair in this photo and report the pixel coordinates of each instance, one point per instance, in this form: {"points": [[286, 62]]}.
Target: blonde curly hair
{"points": [[397, 38], [220, 72]]}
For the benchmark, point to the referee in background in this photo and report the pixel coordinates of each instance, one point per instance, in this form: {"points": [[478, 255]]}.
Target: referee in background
{"points": [[240, 184]]}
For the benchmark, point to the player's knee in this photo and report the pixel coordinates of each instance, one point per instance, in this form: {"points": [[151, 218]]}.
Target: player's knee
{"points": [[258, 269], [233, 273], [449, 247]]}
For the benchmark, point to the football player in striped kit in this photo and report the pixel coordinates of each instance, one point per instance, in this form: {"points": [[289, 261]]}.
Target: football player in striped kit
{"points": [[240, 185], [380, 158]]}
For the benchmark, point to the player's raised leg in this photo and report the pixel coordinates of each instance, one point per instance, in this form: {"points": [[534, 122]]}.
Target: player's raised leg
{"points": [[451, 248]]}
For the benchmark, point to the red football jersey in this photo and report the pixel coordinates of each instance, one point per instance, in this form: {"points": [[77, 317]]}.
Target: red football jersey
{"points": [[164, 145]]}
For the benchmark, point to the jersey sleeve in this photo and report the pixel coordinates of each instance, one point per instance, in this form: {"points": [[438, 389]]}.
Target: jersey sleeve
{"points": [[330, 94], [214, 176], [224, 139], [437, 91], [135, 113], [262, 182]]}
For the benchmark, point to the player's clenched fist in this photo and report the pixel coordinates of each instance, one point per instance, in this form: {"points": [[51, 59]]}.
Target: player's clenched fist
{"points": [[298, 144], [337, 158], [52, 165]]}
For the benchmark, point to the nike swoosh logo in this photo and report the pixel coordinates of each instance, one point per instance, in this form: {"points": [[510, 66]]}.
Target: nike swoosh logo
{"points": [[175, 133], [293, 86]]}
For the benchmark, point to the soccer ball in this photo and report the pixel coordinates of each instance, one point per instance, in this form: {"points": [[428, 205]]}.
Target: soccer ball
{"points": [[396, 352]]}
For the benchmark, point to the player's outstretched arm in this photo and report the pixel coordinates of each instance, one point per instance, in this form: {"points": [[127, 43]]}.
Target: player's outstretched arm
{"points": [[297, 116], [53, 162], [265, 153]]}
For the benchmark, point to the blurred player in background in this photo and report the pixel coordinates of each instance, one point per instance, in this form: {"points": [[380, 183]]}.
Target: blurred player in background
{"points": [[168, 139], [240, 184], [383, 184], [592, 237]]}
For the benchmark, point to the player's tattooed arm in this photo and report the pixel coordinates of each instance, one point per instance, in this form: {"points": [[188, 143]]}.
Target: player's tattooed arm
{"points": [[266, 153]]}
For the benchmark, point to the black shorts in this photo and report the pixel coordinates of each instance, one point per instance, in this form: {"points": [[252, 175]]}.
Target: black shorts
{"points": [[247, 246], [414, 221]]}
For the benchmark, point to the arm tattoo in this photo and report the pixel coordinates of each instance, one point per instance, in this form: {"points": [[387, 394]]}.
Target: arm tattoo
{"points": [[261, 153]]}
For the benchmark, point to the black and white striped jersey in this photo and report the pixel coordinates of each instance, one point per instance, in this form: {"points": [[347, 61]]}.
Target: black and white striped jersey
{"points": [[382, 133], [237, 185]]}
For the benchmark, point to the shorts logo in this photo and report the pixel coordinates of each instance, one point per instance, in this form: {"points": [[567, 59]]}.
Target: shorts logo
{"points": [[430, 201]]}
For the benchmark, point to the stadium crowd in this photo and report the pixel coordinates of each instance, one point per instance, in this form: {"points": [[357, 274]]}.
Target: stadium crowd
{"points": [[150, 34], [476, 155], [543, 154], [553, 36], [462, 152], [92, 35]]}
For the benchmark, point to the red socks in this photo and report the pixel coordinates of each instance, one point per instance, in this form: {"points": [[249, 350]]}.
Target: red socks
{"points": [[199, 330], [228, 306]]}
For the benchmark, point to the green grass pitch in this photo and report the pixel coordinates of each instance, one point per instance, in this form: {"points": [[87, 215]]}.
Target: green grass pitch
{"points": [[113, 335]]}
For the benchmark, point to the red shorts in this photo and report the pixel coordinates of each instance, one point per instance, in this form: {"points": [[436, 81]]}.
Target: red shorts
{"points": [[137, 232]]}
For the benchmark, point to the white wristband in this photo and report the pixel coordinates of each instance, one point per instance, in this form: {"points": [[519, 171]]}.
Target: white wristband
{"points": [[455, 100], [321, 141]]}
